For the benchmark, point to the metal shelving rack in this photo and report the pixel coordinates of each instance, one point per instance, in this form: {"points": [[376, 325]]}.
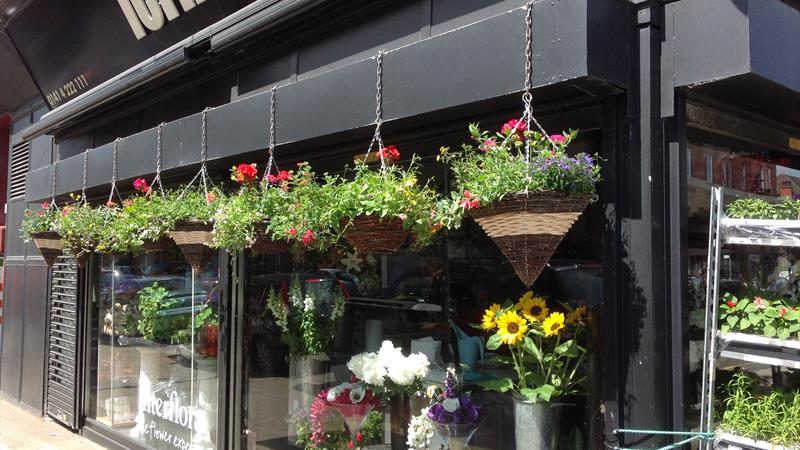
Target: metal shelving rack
{"points": [[739, 346]]}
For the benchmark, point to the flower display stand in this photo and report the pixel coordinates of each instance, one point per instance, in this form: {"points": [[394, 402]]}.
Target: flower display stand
{"points": [[527, 227]]}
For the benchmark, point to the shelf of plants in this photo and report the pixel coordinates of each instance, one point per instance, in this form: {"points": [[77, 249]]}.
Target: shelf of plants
{"points": [[757, 328]]}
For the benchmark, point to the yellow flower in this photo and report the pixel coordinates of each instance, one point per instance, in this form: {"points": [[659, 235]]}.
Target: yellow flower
{"points": [[577, 315], [553, 324], [511, 327], [489, 318], [533, 308], [410, 181]]}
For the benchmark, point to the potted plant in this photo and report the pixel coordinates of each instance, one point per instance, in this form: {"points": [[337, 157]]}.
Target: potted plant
{"points": [[192, 211], [41, 227], [141, 224], [384, 206], [85, 228], [453, 412], [523, 189], [756, 208], [546, 351], [761, 314], [395, 377]]}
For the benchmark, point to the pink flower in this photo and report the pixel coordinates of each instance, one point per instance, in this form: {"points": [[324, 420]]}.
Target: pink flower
{"points": [[783, 311], [281, 177], [111, 204], [514, 127], [140, 184], [760, 303], [469, 201], [293, 231], [557, 138], [309, 237], [211, 196], [487, 145], [45, 205]]}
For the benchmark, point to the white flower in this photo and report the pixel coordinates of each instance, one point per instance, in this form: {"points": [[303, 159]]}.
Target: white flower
{"points": [[308, 304], [420, 431], [401, 374], [389, 355], [356, 364], [352, 262], [419, 362], [450, 404], [374, 374]]}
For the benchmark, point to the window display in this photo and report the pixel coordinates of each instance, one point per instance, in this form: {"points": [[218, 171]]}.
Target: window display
{"points": [[157, 328]]}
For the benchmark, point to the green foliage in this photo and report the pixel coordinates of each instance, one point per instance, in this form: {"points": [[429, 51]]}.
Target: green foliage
{"points": [[767, 316], [235, 218], [153, 323], [335, 432], [85, 228], [142, 219], [190, 204], [770, 415], [756, 208], [309, 320], [39, 221], [495, 165], [392, 192]]}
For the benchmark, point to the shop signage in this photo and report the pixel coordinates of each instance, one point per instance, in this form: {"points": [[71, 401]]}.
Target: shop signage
{"points": [[171, 425], [72, 46]]}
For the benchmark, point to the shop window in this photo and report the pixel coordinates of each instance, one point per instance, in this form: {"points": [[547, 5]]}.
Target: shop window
{"points": [[154, 374]]}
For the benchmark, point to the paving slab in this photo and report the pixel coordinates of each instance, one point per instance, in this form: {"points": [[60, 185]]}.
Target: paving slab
{"points": [[22, 430]]}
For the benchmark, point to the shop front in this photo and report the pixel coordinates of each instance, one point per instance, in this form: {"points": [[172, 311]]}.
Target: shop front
{"points": [[183, 352]]}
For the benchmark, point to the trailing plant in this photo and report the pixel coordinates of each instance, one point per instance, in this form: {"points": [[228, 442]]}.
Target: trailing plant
{"points": [[143, 218], [192, 204], [86, 228], [309, 212], [392, 192], [495, 165], [762, 315], [39, 221], [308, 320], [756, 208], [759, 413], [546, 348]]}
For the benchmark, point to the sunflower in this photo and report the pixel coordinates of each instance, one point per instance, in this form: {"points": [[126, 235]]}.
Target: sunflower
{"points": [[553, 324], [577, 315], [490, 318], [511, 328], [533, 308]]}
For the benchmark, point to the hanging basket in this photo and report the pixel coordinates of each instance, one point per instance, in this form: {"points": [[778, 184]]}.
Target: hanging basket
{"points": [[82, 258], [529, 227], [371, 234], [159, 245], [192, 237], [264, 244], [50, 246]]}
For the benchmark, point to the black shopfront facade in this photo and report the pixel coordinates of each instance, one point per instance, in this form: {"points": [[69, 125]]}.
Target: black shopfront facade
{"points": [[665, 92]]}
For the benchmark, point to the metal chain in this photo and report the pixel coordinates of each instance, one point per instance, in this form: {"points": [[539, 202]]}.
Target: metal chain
{"points": [[527, 96], [114, 171], [271, 159], [377, 138], [85, 174], [53, 186], [157, 178], [204, 151]]}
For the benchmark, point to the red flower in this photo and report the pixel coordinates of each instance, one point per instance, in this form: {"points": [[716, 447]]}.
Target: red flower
{"points": [[390, 153], [293, 231], [350, 444], [487, 145], [140, 184], [45, 205], [244, 173], [40, 213], [309, 237], [782, 312], [211, 196], [731, 304], [281, 177], [557, 138], [359, 437], [469, 202], [111, 204], [514, 127]]}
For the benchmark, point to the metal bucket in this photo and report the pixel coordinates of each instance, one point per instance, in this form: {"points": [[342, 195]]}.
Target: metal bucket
{"points": [[536, 425]]}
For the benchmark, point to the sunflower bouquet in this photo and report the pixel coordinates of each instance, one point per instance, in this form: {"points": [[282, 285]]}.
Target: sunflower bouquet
{"points": [[544, 348]]}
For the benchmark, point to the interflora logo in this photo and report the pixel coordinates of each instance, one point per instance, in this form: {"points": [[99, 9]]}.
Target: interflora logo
{"points": [[145, 16]]}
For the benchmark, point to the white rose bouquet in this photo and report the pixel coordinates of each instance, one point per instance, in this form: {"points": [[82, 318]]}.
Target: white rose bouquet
{"points": [[388, 372]]}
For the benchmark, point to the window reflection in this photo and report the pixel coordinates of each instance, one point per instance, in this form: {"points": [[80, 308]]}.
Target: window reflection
{"points": [[156, 352]]}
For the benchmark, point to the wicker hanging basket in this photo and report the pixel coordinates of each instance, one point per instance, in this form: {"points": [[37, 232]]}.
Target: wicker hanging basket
{"points": [[192, 237], [371, 234], [159, 245], [50, 246], [264, 244], [529, 227]]}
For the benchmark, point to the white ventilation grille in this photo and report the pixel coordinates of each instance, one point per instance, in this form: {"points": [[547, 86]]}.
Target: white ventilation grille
{"points": [[20, 155]]}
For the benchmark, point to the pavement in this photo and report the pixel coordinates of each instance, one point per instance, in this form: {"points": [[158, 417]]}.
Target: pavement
{"points": [[22, 430]]}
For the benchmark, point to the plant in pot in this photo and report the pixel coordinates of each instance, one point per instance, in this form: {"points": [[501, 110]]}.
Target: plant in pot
{"points": [[85, 228], [393, 377], [155, 323], [384, 206], [760, 314], [242, 219], [523, 189], [546, 350], [41, 227], [310, 212], [322, 427], [141, 224], [192, 211]]}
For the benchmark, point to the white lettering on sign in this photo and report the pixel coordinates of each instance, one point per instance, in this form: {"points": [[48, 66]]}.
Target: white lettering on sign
{"points": [[171, 410], [67, 90], [152, 15]]}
